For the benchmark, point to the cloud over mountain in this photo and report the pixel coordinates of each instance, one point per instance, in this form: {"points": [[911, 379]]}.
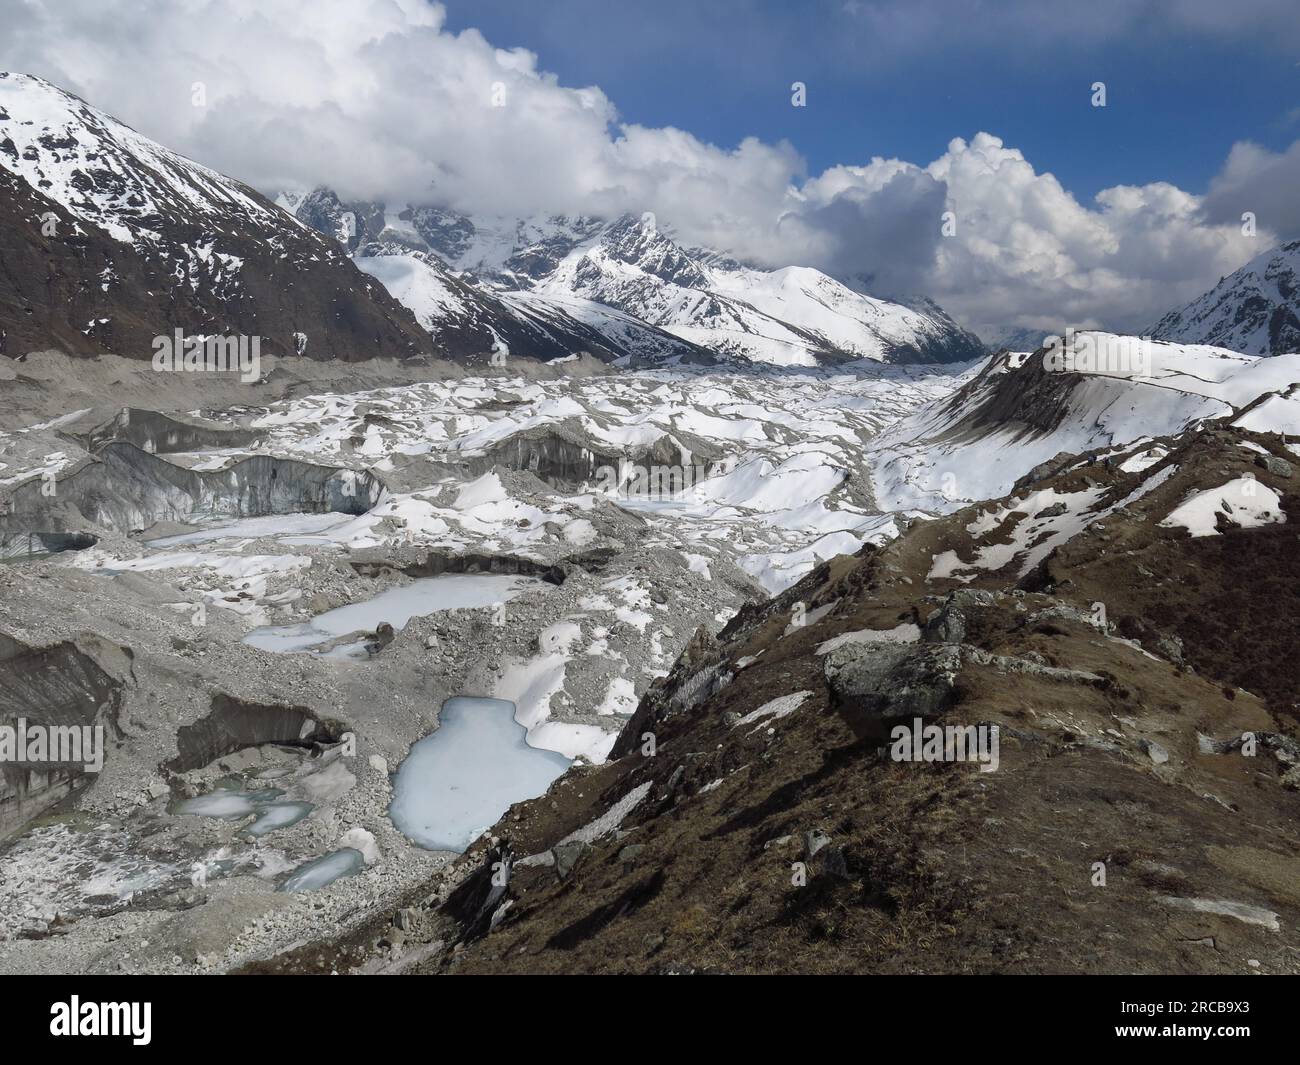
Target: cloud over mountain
{"points": [[379, 100]]}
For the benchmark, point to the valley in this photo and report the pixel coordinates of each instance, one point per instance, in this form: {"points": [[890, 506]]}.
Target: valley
{"points": [[449, 526]]}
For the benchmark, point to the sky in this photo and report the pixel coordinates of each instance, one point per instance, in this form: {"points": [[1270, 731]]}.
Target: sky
{"points": [[886, 80], [949, 148]]}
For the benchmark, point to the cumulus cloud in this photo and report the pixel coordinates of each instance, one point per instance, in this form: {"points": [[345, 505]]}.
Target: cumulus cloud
{"points": [[1028, 253], [379, 100], [1260, 182]]}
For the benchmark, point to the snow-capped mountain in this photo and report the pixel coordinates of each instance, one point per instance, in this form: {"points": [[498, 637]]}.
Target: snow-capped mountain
{"points": [[1098, 392], [136, 241], [466, 287], [1255, 310], [112, 240], [482, 322], [794, 316]]}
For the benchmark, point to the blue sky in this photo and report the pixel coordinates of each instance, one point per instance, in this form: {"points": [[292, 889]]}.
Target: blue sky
{"points": [[1180, 92], [918, 111]]}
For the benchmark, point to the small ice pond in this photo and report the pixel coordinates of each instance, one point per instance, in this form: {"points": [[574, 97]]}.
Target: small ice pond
{"points": [[460, 779], [230, 804], [323, 871], [427, 595]]}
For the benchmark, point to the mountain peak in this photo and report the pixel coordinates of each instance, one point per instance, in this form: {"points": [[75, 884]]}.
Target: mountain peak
{"points": [[1255, 310], [163, 243], [641, 243]]}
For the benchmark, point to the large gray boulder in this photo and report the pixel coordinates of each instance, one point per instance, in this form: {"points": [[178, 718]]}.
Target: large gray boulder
{"points": [[876, 686], [1276, 466]]}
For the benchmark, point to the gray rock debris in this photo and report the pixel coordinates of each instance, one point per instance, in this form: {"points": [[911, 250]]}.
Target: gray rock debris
{"points": [[948, 623], [567, 856], [945, 625], [1059, 462], [823, 856], [1170, 647], [1012, 664], [1284, 749], [1064, 612]]}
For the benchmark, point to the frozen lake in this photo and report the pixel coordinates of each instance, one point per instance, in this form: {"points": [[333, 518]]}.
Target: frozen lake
{"points": [[459, 780], [323, 871], [427, 595]]}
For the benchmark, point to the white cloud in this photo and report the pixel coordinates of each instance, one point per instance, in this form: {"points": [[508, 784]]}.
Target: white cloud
{"points": [[1031, 254], [1260, 182], [377, 99]]}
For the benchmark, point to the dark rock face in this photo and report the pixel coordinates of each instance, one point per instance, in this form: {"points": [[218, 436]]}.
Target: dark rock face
{"points": [[475, 900], [1031, 402], [22, 547], [127, 489], [445, 232], [565, 456], [1279, 467], [234, 724], [637, 244], [558, 455], [351, 224], [56, 686], [443, 561], [108, 241], [945, 625], [159, 434], [948, 342]]}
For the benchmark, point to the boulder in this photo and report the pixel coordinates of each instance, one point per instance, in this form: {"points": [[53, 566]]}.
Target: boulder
{"points": [[875, 686], [1274, 465], [567, 856], [945, 625]]}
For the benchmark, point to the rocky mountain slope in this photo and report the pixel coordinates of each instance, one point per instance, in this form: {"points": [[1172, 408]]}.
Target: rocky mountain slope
{"points": [[587, 269], [1255, 310], [1124, 617], [1021, 411], [1143, 802], [110, 240]]}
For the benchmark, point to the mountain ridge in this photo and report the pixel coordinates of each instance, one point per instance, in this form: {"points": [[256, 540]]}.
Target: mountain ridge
{"points": [[790, 316], [1254, 310], [140, 241]]}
